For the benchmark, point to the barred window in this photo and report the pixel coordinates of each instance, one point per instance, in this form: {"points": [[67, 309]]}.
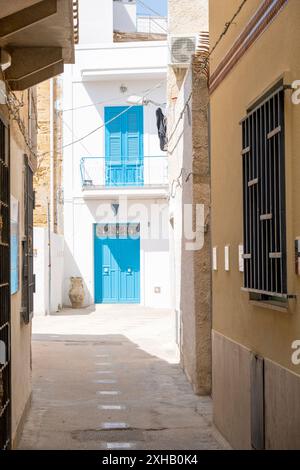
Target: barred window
{"points": [[28, 279], [5, 353], [264, 198]]}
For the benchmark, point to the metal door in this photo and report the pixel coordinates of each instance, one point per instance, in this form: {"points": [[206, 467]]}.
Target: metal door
{"points": [[117, 263], [28, 277], [5, 381], [110, 271], [129, 270]]}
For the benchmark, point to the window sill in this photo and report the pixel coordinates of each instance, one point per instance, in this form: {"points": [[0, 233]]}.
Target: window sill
{"points": [[270, 305]]}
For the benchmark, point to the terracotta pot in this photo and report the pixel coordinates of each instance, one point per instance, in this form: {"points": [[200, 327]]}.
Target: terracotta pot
{"points": [[76, 292]]}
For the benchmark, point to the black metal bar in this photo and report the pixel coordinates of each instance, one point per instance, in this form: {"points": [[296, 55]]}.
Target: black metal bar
{"points": [[282, 210], [5, 370], [274, 132], [28, 276], [267, 205], [252, 182], [250, 201], [264, 198]]}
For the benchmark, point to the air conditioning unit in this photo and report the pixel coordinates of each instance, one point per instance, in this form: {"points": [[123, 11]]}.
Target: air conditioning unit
{"points": [[182, 47]]}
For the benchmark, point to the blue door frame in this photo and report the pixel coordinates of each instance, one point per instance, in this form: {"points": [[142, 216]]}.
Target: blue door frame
{"points": [[116, 266], [124, 146]]}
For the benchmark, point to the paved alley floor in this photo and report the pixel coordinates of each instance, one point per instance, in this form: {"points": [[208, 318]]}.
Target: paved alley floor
{"points": [[108, 377]]}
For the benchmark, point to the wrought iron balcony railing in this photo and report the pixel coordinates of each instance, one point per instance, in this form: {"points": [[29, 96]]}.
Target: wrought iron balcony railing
{"points": [[99, 173]]}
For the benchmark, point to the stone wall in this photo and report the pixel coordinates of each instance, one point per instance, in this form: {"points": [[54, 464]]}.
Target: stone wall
{"points": [[195, 297], [202, 257], [42, 178], [185, 17], [189, 157], [42, 175]]}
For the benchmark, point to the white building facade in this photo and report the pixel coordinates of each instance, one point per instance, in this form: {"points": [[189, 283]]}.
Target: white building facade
{"points": [[115, 173]]}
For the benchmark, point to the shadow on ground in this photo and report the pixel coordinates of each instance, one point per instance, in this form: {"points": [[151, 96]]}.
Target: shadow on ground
{"points": [[103, 391]]}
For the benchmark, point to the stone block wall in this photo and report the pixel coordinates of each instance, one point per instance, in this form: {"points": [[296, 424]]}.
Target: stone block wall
{"points": [[42, 177]]}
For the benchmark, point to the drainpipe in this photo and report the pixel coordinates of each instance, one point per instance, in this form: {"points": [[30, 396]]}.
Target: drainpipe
{"points": [[49, 258], [51, 155], [51, 203]]}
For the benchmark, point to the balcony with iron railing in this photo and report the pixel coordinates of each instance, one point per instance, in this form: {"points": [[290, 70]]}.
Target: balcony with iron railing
{"points": [[101, 173], [151, 24]]}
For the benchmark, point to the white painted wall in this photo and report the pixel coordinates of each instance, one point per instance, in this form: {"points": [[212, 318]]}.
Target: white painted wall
{"points": [[87, 98], [79, 247], [86, 119], [40, 268], [41, 271], [124, 13], [95, 21], [180, 156], [130, 59]]}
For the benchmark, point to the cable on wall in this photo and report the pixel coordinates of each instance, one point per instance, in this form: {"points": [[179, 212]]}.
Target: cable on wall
{"points": [[107, 101], [203, 67], [155, 12], [14, 104], [113, 119]]}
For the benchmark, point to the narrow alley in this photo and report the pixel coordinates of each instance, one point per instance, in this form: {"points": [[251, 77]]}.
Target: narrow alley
{"points": [[109, 378], [149, 228]]}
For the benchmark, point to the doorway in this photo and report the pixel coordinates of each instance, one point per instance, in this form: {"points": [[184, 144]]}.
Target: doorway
{"points": [[117, 263]]}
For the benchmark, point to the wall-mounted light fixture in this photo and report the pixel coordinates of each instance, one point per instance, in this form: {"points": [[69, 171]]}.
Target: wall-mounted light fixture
{"points": [[141, 100]]}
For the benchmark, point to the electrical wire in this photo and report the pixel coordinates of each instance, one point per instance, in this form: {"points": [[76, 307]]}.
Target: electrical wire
{"points": [[148, 8], [180, 117], [14, 104], [155, 13], [113, 119], [227, 26], [203, 67], [70, 129], [107, 101], [205, 62], [99, 127]]}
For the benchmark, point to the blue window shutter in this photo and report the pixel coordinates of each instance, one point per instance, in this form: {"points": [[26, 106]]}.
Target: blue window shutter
{"points": [[113, 137], [124, 146], [134, 138]]}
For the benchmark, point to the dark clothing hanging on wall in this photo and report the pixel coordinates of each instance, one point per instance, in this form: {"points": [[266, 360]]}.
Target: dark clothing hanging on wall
{"points": [[162, 129]]}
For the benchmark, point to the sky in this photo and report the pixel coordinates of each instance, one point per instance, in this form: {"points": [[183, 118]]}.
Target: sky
{"points": [[161, 6]]}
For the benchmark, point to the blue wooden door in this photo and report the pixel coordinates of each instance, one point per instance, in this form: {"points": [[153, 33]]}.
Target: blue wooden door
{"points": [[124, 146], [117, 265], [109, 271], [129, 270]]}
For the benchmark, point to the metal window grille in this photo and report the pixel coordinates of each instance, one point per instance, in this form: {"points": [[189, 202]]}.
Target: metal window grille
{"points": [[28, 284], [264, 197], [5, 381]]}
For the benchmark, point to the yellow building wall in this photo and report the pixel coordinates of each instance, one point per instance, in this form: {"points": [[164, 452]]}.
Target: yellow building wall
{"points": [[274, 55], [20, 332]]}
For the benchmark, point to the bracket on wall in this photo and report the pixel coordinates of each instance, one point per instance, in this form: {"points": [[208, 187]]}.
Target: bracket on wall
{"points": [[115, 208]]}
